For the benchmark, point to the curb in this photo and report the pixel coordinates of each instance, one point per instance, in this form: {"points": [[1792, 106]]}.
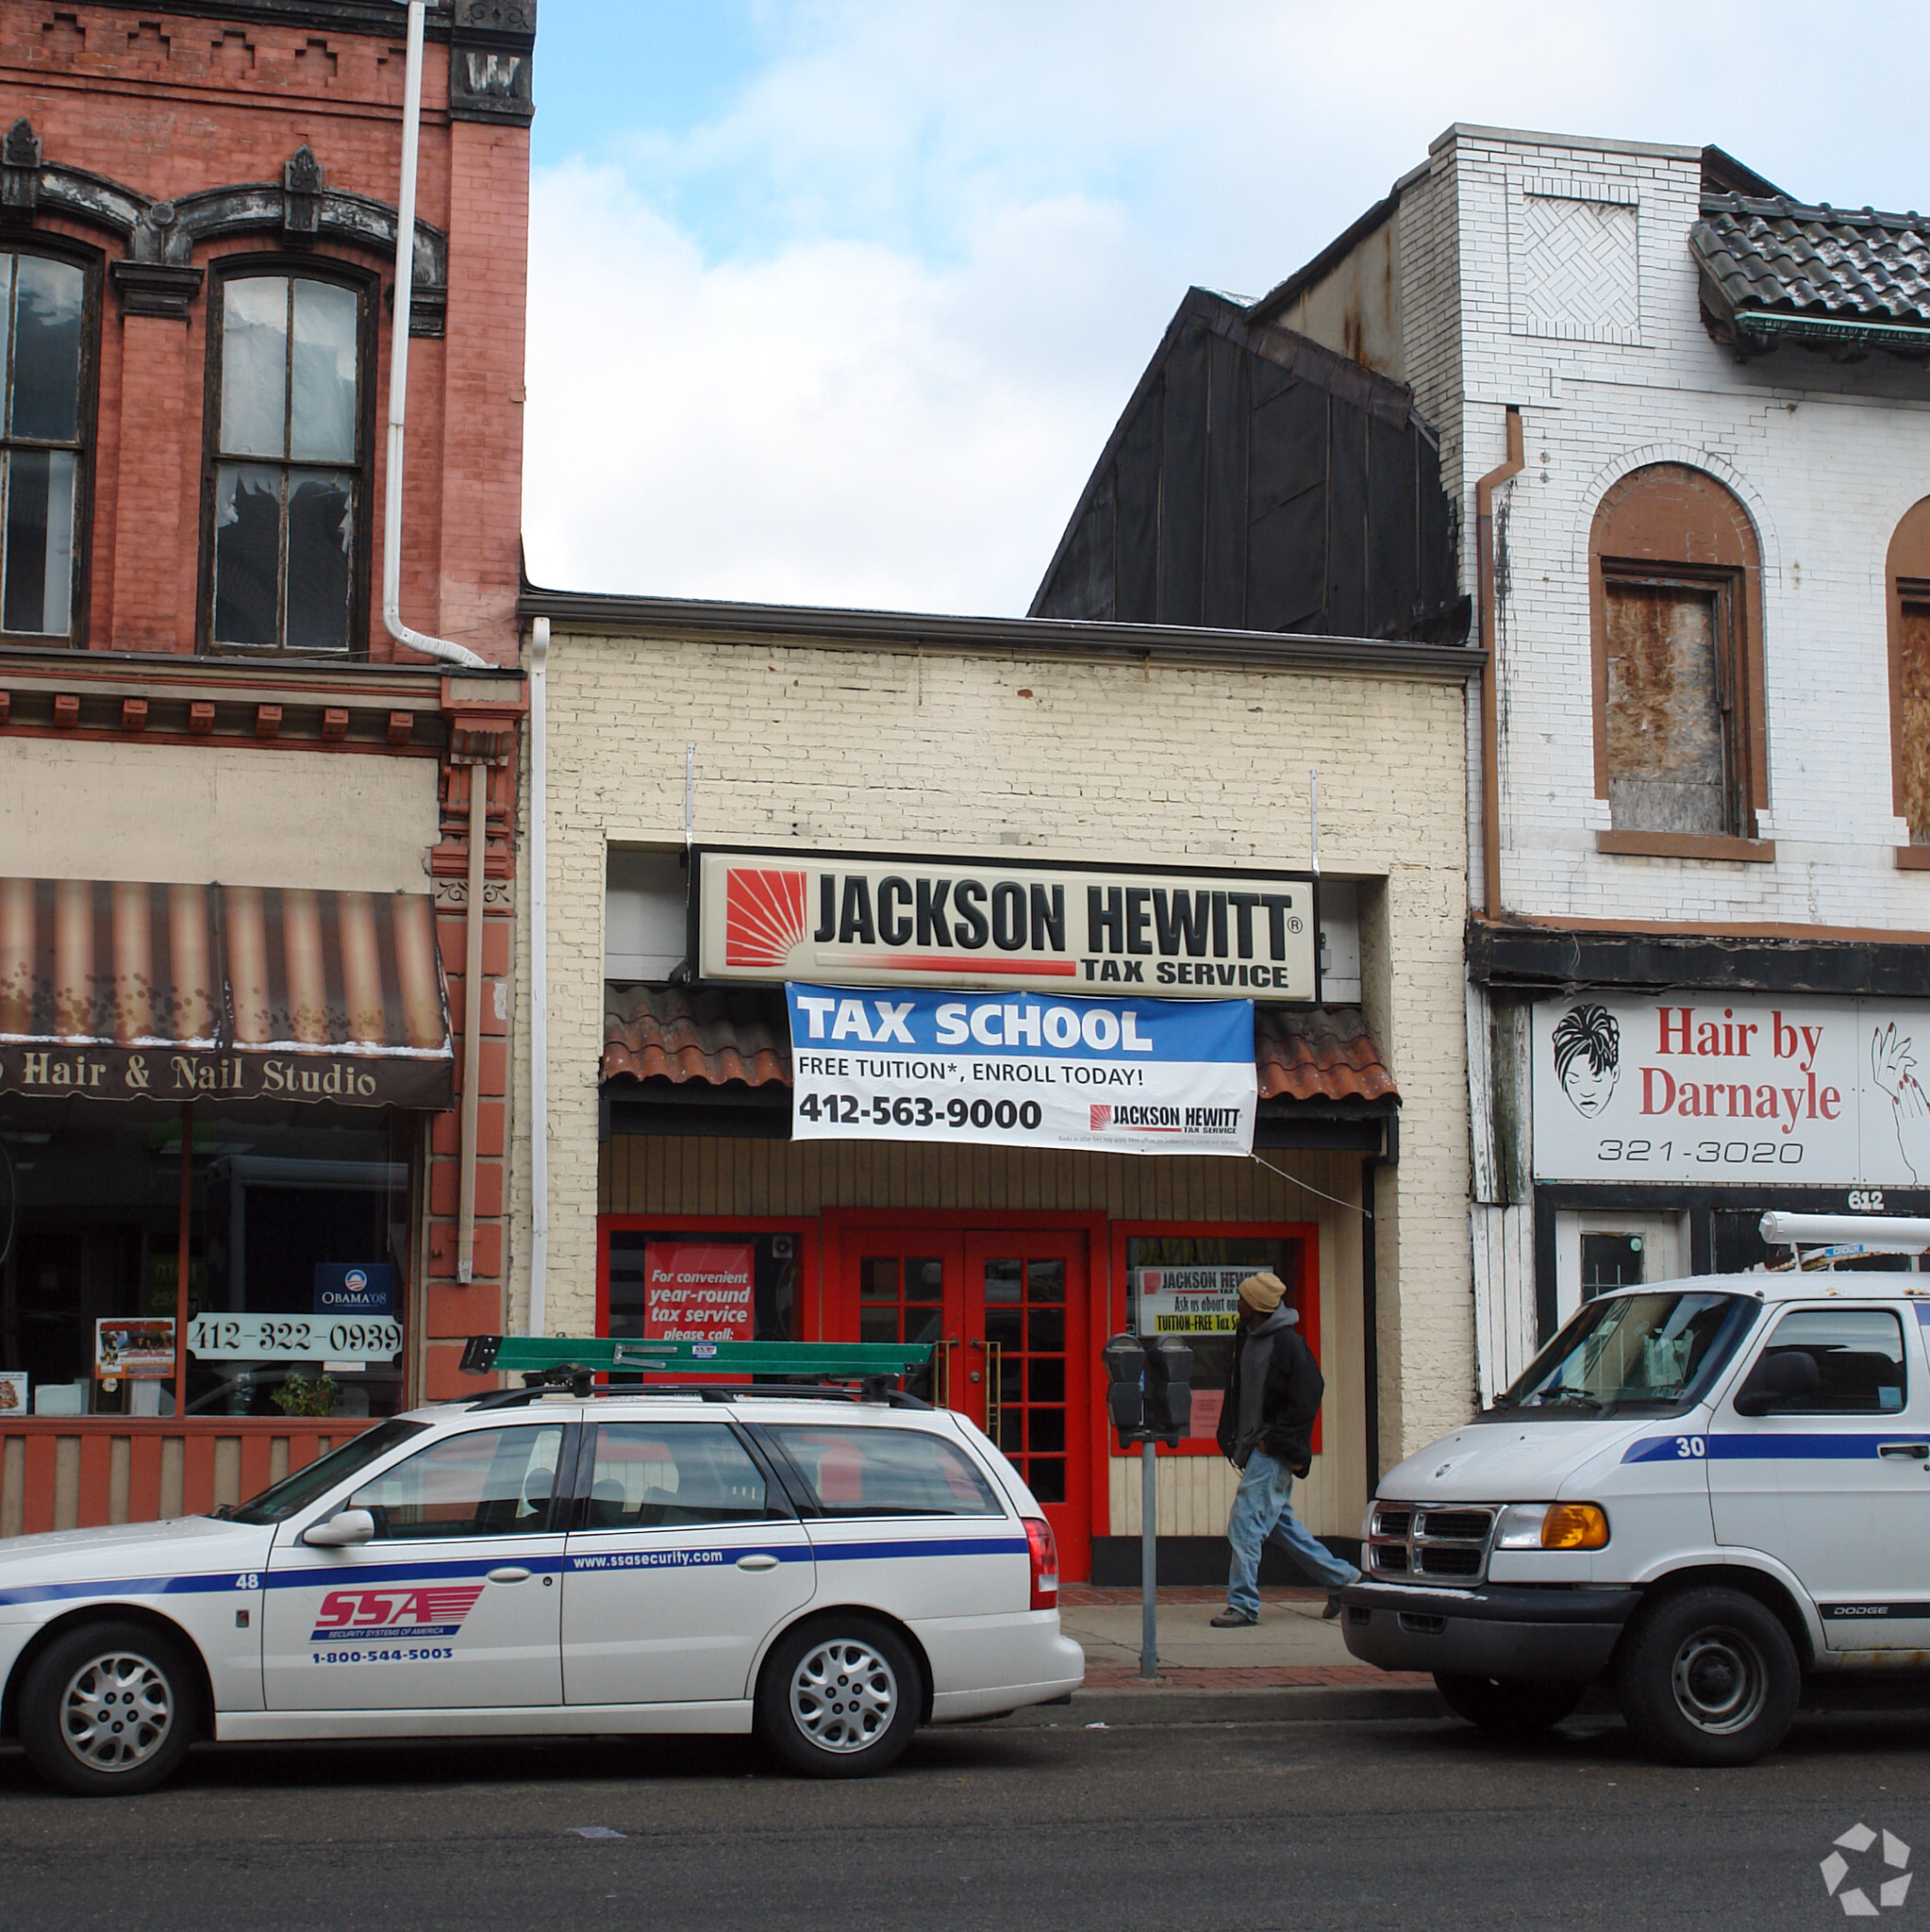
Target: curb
{"points": [[1162, 1705]]}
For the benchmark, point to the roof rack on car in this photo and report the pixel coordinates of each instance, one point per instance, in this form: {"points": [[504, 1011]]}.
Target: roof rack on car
{"points": [[549, 1362]]}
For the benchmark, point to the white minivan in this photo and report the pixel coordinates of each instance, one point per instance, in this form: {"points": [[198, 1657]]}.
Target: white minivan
{"points": [[827, 1570], [1700, 1492]]}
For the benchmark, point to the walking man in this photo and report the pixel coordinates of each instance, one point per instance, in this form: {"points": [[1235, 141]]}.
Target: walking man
{"points": [[1274, 1393]]}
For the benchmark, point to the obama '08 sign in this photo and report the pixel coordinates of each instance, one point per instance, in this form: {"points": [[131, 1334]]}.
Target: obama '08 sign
{"points": [[1023, 1070]]}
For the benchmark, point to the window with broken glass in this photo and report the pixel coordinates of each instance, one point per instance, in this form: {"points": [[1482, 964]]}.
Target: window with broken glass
{"points": [[46, 331], [289, 463]]}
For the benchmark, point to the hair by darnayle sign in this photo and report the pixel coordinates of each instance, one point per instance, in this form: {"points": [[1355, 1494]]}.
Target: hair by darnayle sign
{"points": [[1064, 929], [1019, 1070], [1733, 1089]]}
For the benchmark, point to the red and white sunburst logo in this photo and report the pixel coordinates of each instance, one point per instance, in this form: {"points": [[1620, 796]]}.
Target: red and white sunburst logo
{"points": [[1102, 1118], [763, 916]]}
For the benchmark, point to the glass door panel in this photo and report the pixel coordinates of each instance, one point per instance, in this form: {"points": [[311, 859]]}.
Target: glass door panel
{"points": [[1026, 1312]]}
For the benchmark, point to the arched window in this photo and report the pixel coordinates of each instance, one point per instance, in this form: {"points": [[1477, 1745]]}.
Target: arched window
{"points": [[1909, 574], [290, 457], [47, 348], [1676, 605]]}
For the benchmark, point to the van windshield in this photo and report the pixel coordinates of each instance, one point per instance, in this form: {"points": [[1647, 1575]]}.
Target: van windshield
{"points": [[1632, 1354]]}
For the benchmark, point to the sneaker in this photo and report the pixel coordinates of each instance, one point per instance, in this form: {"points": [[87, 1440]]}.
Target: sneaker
{"points": [[1231, 1619], [1333, 1609]]}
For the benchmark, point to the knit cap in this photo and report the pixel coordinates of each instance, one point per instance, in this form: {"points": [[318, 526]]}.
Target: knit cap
{"points": [[1264, 1292]]}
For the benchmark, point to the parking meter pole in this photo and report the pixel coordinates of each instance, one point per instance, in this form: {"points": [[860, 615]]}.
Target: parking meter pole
{"points": [[1149, 1561]]}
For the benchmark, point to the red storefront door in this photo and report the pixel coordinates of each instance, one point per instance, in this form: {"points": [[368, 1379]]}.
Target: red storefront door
{"points": [[1007, 1310]]}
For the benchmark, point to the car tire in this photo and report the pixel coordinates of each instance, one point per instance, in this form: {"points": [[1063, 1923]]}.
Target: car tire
{"points": [[109, 1708], [1509, 1706], [1707, 1676], [840, 1698]]}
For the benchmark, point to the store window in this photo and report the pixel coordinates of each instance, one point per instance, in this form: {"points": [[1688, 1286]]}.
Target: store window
{"points": [[288, 480], [297, 1241], [1197, 1275], [45, 323], [703, 1285], [1676, 597]]}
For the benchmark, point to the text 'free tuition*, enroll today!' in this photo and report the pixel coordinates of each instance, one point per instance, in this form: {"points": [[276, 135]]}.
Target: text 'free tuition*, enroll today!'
{"points": [[1123, 1077]]}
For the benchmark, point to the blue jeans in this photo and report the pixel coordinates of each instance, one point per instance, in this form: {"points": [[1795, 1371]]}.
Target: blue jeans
{"points": [[1262, 1509]]}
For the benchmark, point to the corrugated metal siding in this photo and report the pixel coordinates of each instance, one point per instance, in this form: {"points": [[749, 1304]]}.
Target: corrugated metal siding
{"points": [[660, 1175]]}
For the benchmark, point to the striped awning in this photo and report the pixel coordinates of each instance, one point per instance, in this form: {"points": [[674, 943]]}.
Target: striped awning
{"points": [[243, 993]]}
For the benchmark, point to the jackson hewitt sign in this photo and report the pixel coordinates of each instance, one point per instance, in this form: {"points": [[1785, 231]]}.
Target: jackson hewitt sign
{"points": [[863, 922]]}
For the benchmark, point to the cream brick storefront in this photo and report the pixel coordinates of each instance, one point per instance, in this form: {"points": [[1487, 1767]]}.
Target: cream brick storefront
{"points": [[993, 740]]}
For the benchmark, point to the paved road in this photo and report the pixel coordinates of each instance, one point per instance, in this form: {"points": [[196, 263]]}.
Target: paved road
{"points": [[1141, 1828]]}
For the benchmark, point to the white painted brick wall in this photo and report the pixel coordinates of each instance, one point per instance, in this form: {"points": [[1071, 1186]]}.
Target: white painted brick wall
{"points": [[1826, 458], [798, 745]]}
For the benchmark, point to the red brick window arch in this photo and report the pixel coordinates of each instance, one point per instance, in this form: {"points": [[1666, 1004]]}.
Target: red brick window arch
{"points": [[289, 456], [46, 351], [1908, 572], [1675, 599]]}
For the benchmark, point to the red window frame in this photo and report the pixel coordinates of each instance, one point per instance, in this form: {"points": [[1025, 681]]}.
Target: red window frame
{"points": [[1307, 1287]]}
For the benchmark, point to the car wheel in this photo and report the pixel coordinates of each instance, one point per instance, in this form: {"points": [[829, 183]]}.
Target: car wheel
{"points": [[1510, 1706], [1707, 1676], [840, 1698], [108, 1708]]}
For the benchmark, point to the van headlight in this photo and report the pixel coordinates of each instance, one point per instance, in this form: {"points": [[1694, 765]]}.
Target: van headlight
{"points": [[1552, 1526]]}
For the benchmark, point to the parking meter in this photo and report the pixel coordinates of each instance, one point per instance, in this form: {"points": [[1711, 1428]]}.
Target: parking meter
{"points": [[1125, 1367], [1169, 1400]]}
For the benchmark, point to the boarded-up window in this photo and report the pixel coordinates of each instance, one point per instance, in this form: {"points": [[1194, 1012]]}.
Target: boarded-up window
{"points": [[1913, 725], [1671, 755]]}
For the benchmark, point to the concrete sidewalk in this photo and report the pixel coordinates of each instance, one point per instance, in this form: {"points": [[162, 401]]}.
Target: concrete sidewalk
{"points": [[1291, 1647]]}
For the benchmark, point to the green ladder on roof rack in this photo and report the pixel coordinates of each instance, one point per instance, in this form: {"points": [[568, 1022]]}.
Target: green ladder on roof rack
{"points": [[567, 1356]]}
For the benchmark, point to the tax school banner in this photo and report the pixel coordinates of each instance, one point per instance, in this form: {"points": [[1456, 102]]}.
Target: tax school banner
{"points": [[1017, 1070]]}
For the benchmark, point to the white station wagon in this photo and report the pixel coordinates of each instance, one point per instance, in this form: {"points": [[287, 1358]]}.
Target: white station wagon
{"points": [[827, 1571]]}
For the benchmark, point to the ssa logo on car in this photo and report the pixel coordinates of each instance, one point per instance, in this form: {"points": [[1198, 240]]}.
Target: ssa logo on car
{"points": [[427, 1611]]}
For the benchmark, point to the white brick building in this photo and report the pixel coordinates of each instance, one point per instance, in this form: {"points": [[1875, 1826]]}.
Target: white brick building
{"points": [[1696, 409], [989, 746]]}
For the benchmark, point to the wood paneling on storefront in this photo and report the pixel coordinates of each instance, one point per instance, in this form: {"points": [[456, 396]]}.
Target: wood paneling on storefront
{"points": [[655, 1175]]}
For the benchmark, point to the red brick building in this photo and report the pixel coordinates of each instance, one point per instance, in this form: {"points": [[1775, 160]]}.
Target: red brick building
{"points": [[254, 853]]}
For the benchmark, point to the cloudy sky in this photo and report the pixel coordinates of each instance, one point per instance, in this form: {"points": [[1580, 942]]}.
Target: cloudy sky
{"points": [[835, 301]]}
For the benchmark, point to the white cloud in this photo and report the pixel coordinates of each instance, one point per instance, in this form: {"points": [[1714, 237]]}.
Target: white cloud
{"points": [[838, 423], [860, 338]]}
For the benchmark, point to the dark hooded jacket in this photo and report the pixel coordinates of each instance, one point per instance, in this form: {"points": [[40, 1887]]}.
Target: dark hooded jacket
{"points": [[1274, 1393]]}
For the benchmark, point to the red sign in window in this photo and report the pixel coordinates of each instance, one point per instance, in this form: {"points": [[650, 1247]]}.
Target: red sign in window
{"points": [[699, 1291]]}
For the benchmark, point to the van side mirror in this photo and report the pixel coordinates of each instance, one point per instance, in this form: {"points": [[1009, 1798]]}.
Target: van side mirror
{"points": [[1776, 1380], [344, 1527]]}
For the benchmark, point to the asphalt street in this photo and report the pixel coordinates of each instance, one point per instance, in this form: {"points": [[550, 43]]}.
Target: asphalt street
{"points": [[1190, 1827]]}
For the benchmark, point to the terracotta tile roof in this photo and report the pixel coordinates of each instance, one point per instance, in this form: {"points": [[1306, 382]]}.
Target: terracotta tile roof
{"points": [[666, 1032], [1772, 267], [1319, 1053]]}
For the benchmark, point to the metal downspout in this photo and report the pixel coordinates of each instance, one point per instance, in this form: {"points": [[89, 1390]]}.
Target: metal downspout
{"points": [[1490, 672], [472, 1019], [539, 976], [398, 368]]}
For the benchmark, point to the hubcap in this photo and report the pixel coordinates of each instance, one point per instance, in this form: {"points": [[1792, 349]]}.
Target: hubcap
{"points": [[843, 1695], [117, 1712], [1719, 1680]]}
